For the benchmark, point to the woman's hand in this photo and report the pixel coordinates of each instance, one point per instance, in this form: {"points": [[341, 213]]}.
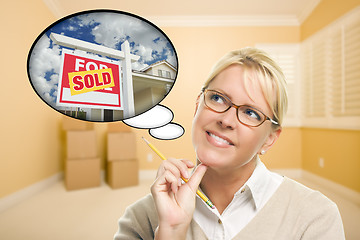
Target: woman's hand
{"points": [[175, 202]]}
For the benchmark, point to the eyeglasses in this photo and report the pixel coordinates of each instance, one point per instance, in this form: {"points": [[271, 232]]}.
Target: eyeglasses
{"points": [[247, 115]]}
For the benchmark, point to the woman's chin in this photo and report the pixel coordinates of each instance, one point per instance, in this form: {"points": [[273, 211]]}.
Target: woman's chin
{"points": [[209, 160]]}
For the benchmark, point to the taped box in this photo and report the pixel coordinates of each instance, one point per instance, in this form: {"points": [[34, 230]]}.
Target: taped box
{"points": [[123, 173], [81, 144], [121, 146], [82, 173]]}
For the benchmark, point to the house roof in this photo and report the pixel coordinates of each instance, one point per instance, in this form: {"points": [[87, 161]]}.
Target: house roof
{"points": [[158, 63]]}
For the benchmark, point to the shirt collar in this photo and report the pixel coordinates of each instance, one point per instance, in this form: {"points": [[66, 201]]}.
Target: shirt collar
{"points": [[257, 183]]}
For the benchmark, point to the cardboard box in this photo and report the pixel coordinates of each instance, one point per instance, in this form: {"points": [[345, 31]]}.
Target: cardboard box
{"points": [[118, 127], [71, 124], [82, 173], [121, 146], [81, 144], [123, 173]]}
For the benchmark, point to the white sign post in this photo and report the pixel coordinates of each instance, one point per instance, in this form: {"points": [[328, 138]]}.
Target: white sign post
{"points": [[127, 82], [125, 56]]}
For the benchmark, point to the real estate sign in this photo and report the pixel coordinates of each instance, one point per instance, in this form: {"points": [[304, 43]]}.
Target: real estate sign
{"points": [[89, 81]]}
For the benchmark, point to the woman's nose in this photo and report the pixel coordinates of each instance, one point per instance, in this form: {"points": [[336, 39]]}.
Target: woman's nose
{"points": [[228, 119]]}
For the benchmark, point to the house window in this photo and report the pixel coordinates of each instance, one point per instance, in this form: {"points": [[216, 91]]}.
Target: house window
{"points": [[163, 73]]}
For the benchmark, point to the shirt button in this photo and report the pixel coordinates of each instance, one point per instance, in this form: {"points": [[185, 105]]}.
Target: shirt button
{"points": [[219, 221]]}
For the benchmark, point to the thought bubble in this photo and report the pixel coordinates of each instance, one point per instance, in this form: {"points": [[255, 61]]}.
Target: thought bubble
{"points": [[75, 65], [158, 121], [156, 117], [167, 132]]}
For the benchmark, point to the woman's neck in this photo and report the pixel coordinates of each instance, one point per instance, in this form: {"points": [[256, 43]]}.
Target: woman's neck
{"points": [[221, 185]]}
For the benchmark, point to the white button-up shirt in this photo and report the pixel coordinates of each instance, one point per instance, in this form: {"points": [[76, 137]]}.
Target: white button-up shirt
{"points": [[247, 202]]}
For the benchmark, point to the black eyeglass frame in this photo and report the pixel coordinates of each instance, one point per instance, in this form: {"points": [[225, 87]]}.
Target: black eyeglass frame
{"points": [[204, 91]]}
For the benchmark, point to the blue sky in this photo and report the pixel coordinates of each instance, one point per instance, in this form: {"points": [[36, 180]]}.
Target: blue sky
{"points": [[109, 29]]}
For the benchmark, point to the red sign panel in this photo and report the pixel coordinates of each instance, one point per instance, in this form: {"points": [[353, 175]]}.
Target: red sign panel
{"points": [[89, 82]]}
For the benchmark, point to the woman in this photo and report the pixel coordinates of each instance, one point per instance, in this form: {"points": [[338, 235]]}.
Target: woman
{"points": [[238, 117]]}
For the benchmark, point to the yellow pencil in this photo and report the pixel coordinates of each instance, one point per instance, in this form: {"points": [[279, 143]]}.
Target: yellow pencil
{"points": [[200, 194]]}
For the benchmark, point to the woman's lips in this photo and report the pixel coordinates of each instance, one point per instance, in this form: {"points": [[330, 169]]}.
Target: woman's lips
{"points": [[218, 140]]}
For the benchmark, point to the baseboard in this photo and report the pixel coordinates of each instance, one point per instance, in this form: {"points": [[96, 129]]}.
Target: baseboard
{"points": [[294, 173], [332, 186], [339, 189], [289, 172], [23, 194], [144, 175]]}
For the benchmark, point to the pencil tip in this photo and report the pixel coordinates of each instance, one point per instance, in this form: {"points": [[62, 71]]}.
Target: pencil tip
{"points": [[144, 139]]}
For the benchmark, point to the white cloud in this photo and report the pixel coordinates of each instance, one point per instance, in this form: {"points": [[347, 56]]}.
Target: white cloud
{"points": [[113, 28], [49, 99], [72, 28], [138, 66], [145, 53], [171, 57], [41, 85], [54, 79], [43, 60]]}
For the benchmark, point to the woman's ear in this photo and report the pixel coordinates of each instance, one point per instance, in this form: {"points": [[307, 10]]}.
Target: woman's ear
{"points": [[197, 104], [273, 136]]}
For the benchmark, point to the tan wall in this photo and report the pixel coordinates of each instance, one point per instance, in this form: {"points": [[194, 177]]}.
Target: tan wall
{"points": [[198, 49], [326, 12], [32, 141], [287, 151], [30, 130], [340, 150]]}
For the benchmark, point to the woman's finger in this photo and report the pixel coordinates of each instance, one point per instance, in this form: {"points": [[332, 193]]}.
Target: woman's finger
{"points": [[196, 177], [183, 165], [176, 166], [167, 181]]}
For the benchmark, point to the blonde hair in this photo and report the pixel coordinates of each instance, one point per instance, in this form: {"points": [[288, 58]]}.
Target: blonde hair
{"points": [[258, 66]]}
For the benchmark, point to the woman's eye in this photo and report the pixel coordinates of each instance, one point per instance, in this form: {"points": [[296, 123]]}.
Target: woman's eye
{"points": [[252, 114], [217, 98]]}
